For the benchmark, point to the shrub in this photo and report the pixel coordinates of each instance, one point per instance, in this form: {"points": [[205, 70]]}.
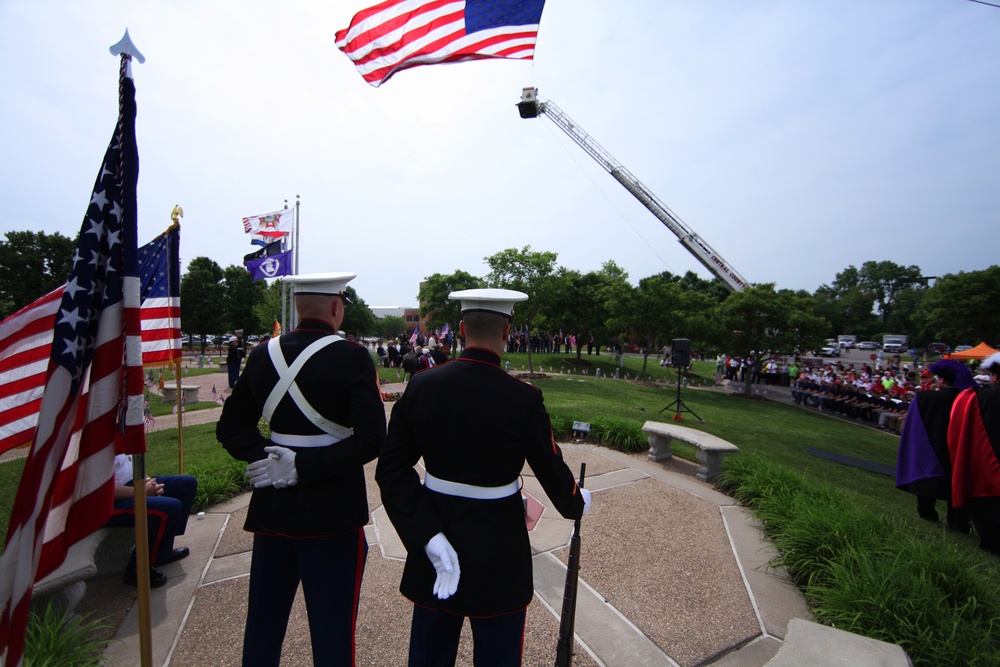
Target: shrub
{"points": [[55, 640], [219, 483], [620, 434], [864, 573]]}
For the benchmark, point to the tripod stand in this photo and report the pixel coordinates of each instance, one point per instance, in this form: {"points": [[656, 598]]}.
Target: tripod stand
{"points": [[679, 403]]}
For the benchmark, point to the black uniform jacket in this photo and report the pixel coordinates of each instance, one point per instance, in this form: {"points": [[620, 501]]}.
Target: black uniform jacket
{"points": [[341, 383], [472, 423]]}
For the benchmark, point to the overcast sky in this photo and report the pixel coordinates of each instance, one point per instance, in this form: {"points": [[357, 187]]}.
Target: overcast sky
{"points": [[796, 137]]}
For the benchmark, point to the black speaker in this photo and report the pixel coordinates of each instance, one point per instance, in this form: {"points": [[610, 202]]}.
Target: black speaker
{"points": [[680, 353]]}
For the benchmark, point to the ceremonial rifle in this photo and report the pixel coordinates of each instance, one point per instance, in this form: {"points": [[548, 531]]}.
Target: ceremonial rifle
{"points": [[567, 620]]}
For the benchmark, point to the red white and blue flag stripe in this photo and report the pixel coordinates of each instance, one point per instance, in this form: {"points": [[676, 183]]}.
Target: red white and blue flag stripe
{"points": [[398, 34], [160, 294], [93, 404]]}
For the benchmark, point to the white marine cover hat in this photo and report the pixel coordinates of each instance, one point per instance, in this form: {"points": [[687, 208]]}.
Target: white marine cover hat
{"points": [[321, 283], [499, 301]]}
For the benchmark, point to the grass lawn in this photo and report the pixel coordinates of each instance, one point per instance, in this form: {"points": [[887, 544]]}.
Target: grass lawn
{"points": [[701, 373]]}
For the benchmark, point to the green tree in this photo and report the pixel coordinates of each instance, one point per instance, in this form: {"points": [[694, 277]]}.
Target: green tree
{"points": [[241, 297], [888, 282], [657, 311], [32, 264], [760, 321], [203, 299], [434, 301], [533, 273], [581, 303], [268, 309], [849, 311], [716, 290], [359, 320], [961, 308], [391, 327]]}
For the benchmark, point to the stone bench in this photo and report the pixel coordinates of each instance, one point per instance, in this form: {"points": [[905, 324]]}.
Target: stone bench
{"points": [[808, 643], [711, 449], [102, 553], [190, 393]]}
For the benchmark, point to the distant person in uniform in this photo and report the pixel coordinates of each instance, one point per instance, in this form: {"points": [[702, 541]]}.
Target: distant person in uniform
{"points": [[468, 553], [233, 358], [319, 393]]}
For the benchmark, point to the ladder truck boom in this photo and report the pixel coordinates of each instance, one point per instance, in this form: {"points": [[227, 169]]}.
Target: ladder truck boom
{"points": [[531, 107]]}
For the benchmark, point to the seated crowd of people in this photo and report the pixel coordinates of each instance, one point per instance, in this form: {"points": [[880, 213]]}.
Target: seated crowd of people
{"points": [[880, 397]]}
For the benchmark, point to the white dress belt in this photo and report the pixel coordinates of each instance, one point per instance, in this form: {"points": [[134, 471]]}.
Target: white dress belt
{"points": [[293, 440], [468, 490]]}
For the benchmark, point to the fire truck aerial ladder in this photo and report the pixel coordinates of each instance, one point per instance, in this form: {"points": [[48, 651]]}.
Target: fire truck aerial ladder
{"points": [[531, 107]]}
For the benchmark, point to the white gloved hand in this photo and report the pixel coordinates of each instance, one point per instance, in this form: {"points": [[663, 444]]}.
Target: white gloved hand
{"points": [[586, 499], [277, 470], [445, 562]]}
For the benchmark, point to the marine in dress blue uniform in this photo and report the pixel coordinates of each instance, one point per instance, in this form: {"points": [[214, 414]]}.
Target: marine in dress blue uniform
{"points": [[468, 553], [320, 396]]}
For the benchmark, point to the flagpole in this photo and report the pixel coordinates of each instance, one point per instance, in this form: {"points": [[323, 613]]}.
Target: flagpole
{"points": [[296, 235], [175, 216], [127, 50], [295, 258]]}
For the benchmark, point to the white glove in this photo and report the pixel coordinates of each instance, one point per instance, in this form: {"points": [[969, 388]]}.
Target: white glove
{"points": [[586, 499], [445, 562], [277, 470]]}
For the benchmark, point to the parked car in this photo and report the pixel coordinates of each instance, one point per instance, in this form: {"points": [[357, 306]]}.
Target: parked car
{"points": [[867, 345], [830, 351], [962, 348], [939, 349]]}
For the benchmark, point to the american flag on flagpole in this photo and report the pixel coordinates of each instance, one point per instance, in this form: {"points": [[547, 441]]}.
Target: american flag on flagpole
{"points": [[147, 415], [398, 34], [92, 404], [160, 291], [26, 340]]}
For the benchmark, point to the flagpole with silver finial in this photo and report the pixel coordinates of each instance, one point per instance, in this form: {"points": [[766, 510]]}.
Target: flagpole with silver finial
{"points": [[127, 50]]}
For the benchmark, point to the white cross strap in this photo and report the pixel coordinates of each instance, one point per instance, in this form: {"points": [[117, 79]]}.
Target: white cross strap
{"points": [[286, 384]]}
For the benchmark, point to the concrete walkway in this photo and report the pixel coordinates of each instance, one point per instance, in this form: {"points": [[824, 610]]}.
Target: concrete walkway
{"points": [[673, 573]]}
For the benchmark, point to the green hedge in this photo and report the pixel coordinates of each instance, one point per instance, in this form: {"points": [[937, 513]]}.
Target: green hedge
{"points": [[867, 573]]}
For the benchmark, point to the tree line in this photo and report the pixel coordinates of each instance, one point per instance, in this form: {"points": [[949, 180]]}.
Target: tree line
{"points": [[876, 298]]}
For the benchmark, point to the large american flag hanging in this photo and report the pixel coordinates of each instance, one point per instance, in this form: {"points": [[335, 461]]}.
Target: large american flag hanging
{"points": [[398, 34], [26, 337], [92, 403]]}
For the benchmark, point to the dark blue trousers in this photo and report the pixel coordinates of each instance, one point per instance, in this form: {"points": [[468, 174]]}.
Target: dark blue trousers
{"points": [[166, 515], [498, 641], [330, 569]]}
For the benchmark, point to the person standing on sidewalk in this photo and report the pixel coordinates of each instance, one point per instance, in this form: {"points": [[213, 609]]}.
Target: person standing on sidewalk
{"points": [[234, 357], [468, 553], [320, 396]]}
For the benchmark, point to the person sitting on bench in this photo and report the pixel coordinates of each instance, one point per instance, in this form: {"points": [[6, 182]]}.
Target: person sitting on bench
{"points": [[168, 505]]}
